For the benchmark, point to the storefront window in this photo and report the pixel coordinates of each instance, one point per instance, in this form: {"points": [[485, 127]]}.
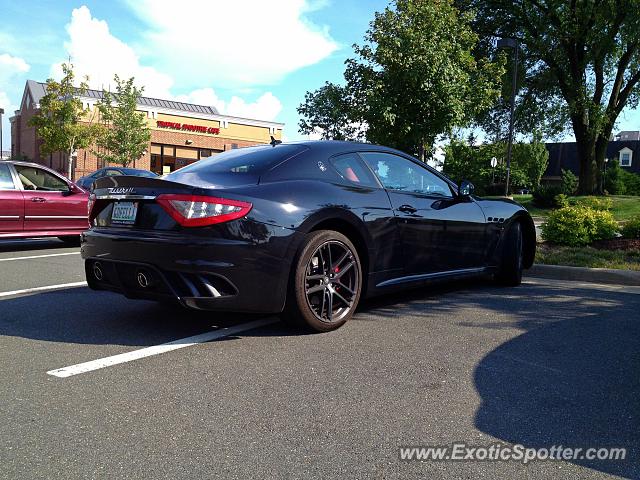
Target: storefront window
{"points": [[168, 158]]}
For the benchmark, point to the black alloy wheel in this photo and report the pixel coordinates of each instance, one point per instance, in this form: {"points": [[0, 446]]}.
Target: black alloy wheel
{"points": [[327, 282]]}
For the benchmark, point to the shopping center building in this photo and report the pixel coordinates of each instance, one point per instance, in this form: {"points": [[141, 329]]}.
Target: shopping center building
{"points": [[181, 133]]}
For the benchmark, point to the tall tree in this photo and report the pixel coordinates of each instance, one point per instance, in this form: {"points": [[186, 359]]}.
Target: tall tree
{"points": [[126, 134], [328, 112], [582, 58], [62, 123], [413, 79]]}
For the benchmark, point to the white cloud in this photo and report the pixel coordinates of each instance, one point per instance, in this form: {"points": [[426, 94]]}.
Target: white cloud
{"points": [[95, 52], [232, 43], [10, 67], [265, 107]]}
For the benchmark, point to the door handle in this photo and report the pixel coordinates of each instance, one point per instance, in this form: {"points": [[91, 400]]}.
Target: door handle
{"points": [[38, 200], [407, 209]]}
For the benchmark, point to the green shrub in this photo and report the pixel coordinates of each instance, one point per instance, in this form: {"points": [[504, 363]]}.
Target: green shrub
{"points": [[545, 196], [631, 229], [578, 225], [562, 200], [613, 182], [631, 183], [569, 182], [597, 203]]}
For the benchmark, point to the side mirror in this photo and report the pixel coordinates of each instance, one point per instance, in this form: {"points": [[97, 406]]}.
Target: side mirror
{"points": [[72, 189], [465, 189]]}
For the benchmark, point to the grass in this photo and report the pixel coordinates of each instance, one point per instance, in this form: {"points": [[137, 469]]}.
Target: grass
{"points": [[624, 206], [588, 257]]}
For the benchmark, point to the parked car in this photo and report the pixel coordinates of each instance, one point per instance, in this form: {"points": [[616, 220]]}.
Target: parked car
{"points": [[86, 181], [303, 228], [36, 201]]}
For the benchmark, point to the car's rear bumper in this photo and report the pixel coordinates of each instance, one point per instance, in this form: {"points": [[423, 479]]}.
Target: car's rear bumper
{"points": [[196, 271]]}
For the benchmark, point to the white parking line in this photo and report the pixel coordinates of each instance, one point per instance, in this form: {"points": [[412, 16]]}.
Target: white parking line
{"points": [[158, 349], [43, 289], [38, 256]]}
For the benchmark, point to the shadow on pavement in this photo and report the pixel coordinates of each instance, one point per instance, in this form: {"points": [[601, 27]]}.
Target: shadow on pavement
{"points": [[573, 382], [572, 378], [29, 244], [79, 315]]}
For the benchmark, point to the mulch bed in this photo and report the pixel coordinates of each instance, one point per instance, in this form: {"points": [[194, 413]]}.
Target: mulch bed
{"points": [[617, 244]]}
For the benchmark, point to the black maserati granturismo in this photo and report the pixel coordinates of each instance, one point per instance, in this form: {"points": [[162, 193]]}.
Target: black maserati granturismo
{"points": [[304, 229]]}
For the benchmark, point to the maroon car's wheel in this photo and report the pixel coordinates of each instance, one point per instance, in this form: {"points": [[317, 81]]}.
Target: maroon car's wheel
{"points": [[326, 283]]}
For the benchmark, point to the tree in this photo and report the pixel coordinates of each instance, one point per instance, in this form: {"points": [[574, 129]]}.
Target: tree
{"points": [[582, 59], [413, 79], [328, 112], [61, 122], [463, 161], [125, 135]]}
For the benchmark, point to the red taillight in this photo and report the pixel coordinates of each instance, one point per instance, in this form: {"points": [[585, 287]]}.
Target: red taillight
{"points": [[90, 203], [198, 210]]}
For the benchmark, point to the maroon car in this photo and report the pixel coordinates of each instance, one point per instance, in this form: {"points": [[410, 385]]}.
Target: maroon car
{"points": [[36, 201]]}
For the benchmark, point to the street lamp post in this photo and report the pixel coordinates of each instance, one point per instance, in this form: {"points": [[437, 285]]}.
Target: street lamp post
{"points": [[510, 43], [604, 174]]}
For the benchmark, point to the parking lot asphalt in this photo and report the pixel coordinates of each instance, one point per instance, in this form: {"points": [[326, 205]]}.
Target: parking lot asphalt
{"points": [[544, 364]]}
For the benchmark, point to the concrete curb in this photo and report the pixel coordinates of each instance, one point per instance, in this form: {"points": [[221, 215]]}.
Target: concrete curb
{"points": [[581, 274]]}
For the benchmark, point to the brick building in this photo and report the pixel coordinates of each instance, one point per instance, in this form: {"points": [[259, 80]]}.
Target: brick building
{"points": [[181, 133]]}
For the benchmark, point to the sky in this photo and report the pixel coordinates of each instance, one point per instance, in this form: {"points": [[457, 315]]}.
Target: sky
{"points": [[249, 58]]}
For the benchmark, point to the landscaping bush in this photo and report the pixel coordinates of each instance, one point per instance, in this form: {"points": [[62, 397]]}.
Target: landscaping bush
{"points": [[597, 203], [569, 182], [618, 181], [578, 225], [545, 196], [631, 229], [562, 200], [613, 182], [631, 183]]}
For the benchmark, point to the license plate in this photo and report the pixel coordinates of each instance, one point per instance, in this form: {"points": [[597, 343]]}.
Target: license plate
{"points": [[124, 213]]}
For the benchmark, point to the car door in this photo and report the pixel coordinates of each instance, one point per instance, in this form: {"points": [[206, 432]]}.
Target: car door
{"points": [[11, 202], [421, 228], [440, 232], [50, 201]]}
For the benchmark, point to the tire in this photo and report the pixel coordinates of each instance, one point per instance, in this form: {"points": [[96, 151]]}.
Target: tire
{"points": [[323, 292], [71, 241], [510, 271]]}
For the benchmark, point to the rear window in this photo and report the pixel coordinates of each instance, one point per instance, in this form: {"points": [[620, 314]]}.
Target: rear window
{"points": [[237, 166], [140, 173]]}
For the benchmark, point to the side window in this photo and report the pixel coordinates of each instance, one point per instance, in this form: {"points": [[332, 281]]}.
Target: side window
{"points": [[112, 173], [351, 168], [398, 173], [37, 179], [6, 180]]}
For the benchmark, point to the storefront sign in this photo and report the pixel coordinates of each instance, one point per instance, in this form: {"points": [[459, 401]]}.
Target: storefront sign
{"points": [[187, 127]]}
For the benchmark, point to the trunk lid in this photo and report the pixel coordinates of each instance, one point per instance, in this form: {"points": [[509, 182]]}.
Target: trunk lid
{"points": [[134, 201]]}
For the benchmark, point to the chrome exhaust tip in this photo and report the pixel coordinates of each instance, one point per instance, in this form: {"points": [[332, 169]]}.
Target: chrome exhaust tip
{"points": [[97, 271]]}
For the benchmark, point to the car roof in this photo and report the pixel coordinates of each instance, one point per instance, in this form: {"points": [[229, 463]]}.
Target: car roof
{"points": [[122, 169], [26, 164], [332, 147]]}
